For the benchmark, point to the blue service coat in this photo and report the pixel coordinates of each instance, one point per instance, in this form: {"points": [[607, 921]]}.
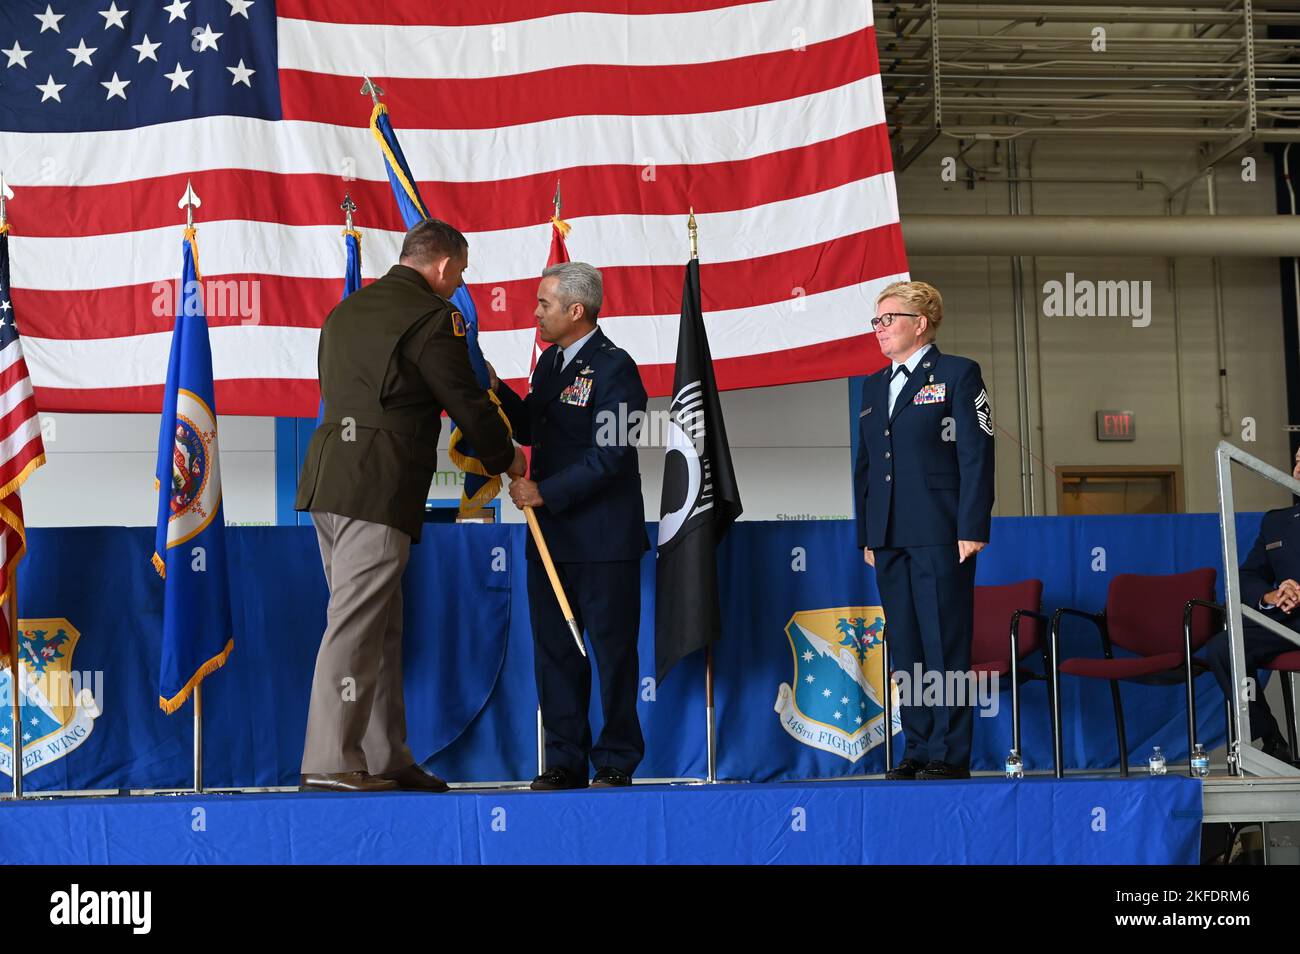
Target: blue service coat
{"points": [[924, 475], [591, 485]]}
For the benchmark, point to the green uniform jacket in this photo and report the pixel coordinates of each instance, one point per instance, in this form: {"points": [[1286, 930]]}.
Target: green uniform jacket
{"points": [[392, 357]]}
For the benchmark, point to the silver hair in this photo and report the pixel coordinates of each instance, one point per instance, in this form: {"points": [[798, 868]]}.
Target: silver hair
{"points": [[578, 282]]}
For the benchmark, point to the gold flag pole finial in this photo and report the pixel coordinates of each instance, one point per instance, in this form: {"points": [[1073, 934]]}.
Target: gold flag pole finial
{"points": [[695, 235], [370, 88], [348, 208]]}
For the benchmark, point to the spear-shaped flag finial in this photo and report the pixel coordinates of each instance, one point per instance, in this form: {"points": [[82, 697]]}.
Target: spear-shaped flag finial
{"points": [[348, 208], [189, 202], [372, 89]]}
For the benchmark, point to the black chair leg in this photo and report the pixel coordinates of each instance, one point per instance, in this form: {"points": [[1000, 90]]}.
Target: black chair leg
{"points": [[1191, 693], [1049, 682], [1119, 728], [1015, 707], [1054, 675], [1230, 731], [1288, 706]]}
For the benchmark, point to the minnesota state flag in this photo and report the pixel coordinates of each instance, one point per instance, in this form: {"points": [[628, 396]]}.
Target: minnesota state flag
{"points": [[190, 546]]}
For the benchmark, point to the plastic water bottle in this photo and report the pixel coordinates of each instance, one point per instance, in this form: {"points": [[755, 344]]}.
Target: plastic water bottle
{"points": [[1200, 762], [1157, 762], [1015, 767]]}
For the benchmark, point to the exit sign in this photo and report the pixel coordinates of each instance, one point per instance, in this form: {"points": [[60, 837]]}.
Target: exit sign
{"points": [[1116, 426]]}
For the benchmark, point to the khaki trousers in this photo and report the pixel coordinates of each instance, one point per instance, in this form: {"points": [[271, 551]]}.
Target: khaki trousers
{"points": [[357, 718]]}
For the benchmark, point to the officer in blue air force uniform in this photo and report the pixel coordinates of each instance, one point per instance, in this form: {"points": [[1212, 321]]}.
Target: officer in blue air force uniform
{"points": [[923, 491], [585, 486], [1268, 583]]}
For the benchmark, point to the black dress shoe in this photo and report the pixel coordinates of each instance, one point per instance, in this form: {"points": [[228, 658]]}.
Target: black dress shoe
{"points": [[558, 780], [938, 769], [345, 782], [415, 779], [907, 769], [611, 778]]}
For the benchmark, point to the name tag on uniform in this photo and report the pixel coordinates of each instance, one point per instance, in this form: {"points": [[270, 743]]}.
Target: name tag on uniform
{"points": [[1273, 546], [931, 394], [578, 393]]}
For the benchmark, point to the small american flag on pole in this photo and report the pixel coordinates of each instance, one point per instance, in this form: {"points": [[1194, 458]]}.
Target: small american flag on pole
{"points": [[21, 447]]}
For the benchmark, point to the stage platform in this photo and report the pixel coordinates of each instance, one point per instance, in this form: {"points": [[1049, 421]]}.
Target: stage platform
{"points": [[986, 820]]}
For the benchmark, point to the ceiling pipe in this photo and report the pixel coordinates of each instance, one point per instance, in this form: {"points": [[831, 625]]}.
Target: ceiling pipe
{"points": [[1224, 236]]}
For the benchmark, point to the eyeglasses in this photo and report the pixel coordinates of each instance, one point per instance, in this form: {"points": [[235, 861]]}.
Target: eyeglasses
{"points": [[887, 319]]}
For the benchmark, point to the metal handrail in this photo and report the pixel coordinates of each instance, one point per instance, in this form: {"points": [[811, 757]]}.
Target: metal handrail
{"points": [[1250, 760]]}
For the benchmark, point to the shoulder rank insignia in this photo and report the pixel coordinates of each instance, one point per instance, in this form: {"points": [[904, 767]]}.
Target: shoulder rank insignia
{"points": [[458, 324], [984, 412]]}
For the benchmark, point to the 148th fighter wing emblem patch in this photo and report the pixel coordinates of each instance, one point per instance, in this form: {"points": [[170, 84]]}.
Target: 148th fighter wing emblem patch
{"points": [[984, 411]]}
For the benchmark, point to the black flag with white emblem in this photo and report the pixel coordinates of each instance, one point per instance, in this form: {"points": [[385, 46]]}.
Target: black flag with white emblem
{"points": [[700, 498]]}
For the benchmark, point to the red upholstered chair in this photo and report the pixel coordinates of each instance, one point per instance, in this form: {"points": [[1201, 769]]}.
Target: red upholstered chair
{"points": [[1010, 610], [1156, 619], [1286, 665]]}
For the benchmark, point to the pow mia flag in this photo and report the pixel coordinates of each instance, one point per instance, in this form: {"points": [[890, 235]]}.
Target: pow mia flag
{"points": [[700, 498]]}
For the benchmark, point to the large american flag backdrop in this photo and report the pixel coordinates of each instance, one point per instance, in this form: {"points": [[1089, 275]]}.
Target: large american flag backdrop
{"points": [[766, 117]]}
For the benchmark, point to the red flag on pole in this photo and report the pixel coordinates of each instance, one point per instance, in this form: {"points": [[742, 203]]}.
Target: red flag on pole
{"points": [[559, 253]]}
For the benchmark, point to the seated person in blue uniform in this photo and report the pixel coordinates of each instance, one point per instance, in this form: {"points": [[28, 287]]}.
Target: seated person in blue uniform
{"points": [[1268, 583]]}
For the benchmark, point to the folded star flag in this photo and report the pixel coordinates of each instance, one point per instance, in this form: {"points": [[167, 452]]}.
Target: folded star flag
{"points": [[700, 497], [21, 448], [190, 542]]}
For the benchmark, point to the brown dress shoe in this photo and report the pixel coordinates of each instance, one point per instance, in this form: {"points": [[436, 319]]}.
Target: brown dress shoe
{"points": [[415, 779], [345, 782]]}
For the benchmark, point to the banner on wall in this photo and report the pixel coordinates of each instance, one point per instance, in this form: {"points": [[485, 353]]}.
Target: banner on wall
{"points": [[834, 701], [58, 704]]}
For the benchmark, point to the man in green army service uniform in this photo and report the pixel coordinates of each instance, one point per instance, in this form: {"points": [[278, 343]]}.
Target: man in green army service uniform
{"points": [[392, 357]]}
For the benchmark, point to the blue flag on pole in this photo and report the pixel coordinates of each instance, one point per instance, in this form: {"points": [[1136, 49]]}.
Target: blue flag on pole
{"points": [[351, 282], [190, 546], [480, 488], [352, 277]]}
